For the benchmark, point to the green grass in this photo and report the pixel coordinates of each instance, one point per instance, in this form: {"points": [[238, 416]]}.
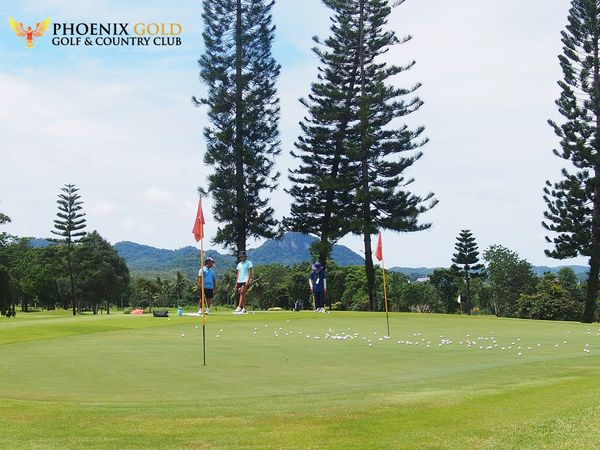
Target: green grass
{"points": [[122, 381]]}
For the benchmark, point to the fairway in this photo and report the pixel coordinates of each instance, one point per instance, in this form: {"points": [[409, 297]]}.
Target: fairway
{"points": [[297, 380]]}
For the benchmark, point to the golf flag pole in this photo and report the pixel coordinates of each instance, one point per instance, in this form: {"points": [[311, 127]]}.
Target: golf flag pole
{"points": [[198, 232], [379, 256]]}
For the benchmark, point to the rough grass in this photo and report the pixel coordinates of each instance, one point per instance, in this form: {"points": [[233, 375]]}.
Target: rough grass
{"points": [[122, 381]]}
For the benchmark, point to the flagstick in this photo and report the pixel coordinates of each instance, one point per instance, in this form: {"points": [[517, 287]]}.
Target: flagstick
{"points": [[202, 298], [387, 317]]}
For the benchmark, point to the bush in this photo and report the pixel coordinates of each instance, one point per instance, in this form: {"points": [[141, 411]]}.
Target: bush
{"points": [[551, 301]]}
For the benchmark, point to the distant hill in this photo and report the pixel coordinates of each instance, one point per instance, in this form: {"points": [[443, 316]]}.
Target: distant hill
{"points": [[413, 273], [292, 248], [38, 242], [418, 272], [580, 271], [152, 261]]}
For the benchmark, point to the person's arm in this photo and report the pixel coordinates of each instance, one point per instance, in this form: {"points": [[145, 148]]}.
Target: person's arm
{"points": [[249, 277], [324, 281], [310, 282]]}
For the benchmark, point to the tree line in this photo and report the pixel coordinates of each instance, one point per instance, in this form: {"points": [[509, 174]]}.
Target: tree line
{"points": [[501, 284]]}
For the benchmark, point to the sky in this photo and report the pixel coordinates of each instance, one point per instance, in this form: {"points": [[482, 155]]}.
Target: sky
{"points": [[118, 122]]}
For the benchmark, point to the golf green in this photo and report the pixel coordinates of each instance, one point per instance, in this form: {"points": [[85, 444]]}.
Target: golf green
{"points": [[297, 380]]}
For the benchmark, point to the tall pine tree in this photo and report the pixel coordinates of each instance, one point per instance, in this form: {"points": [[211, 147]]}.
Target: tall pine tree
{"points": [[69, 226], [322, 182], [385, 150], [6, 306], [243, 108], [466, 261], [573, 203]]}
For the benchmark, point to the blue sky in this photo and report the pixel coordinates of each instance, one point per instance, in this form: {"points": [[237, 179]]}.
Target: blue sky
{"points": [[118, 122]]}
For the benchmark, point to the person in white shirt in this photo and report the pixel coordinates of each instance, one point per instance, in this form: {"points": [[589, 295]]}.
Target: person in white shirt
{"points": [[242, 281]]}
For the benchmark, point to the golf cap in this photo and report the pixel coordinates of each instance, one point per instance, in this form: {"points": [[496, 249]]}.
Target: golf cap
{"points": [[317, 265], [242, 253], [210, 259]]}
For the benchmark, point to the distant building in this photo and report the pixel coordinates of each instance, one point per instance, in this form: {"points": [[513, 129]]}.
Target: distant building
{"points": [[422, 280]]}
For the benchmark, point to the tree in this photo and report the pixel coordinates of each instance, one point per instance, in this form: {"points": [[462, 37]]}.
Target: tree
{"points": [[180, 283], [6, 308], [102, 275], [550, 301], [4, 237], [447, 281], [568, 279], [510, 276], [385, 150], [69, 224], [573, 203], [420, 297], [146, 290], [36, 273], [240, 72], [466, 261], [322, 181]]}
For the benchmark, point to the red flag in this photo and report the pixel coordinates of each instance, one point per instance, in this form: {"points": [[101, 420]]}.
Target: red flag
{"points": [[379, 248], [198, 229]]}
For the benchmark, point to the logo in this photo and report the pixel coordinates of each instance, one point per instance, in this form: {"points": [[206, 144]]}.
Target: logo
{"points": [[102, 34], [28, 33]]}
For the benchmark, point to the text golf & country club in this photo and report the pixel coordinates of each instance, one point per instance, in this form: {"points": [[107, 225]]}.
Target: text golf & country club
{"points": [[117, 34]]}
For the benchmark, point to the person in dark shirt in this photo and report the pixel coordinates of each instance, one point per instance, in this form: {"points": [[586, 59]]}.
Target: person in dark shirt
{"points": [[318, 286]]}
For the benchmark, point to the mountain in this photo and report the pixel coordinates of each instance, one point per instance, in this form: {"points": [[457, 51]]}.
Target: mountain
{"points": [[38, 242], [152, 261], [292, 248]]}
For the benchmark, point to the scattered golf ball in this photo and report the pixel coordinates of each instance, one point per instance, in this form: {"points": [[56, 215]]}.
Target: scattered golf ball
{"points": [[182, 335]]}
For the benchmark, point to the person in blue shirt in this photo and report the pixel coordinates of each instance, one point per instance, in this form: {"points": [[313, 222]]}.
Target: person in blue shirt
{"points": [[318, 286], [242, 282], [210, 284]]}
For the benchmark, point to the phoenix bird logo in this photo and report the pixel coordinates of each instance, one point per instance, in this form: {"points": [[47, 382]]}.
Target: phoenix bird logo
{"points": [[28, 33]]}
